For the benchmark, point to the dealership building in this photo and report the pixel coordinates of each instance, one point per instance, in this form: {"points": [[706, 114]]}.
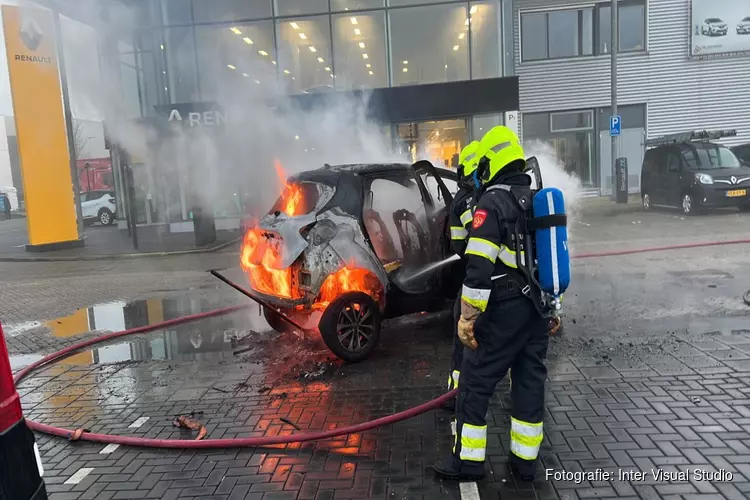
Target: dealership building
{"points": [[441, 72]]}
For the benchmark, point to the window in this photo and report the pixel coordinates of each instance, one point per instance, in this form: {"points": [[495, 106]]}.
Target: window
{"points": [[483, 123], [351, 42], [177, 12], [302, 44], [398, 3], [533, 37], [631, 27], [485, 40], [207, 11], [426, 46], [340, 5], [577, 120], [234, 57], [433, 188], [570, 32], [556, 34], [180, 53], [709, 156], [300, 7], [673, 163]]}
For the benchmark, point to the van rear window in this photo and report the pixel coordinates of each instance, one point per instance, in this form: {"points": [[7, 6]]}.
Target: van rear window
{"points": [[709, 156]]}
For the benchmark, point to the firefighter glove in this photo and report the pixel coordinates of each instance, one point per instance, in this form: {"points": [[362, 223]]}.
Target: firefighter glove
{"points": [[469, 315]]}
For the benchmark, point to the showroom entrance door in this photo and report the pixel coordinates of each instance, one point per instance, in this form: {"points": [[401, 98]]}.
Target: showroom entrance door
{"points": [[440, 142]]}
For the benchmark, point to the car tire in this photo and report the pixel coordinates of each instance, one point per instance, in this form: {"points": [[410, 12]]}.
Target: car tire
{"points": [[106, 217], [276, 322], [647, 204], [689, 207], [348, 321]]}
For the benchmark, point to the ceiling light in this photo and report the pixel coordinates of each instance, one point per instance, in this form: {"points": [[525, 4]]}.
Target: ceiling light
{"points": [[368, 65], [321, 60], [258, 82], [354, 20], [467, 21], [286, 71], [312, 48], [294, 25], [263, 52], [406, 62], [446, 66], [461, 36], [405, 70], [474, 9], [248, 41], [327, 68], [296, 137], [274, 63], [245, 75], [231, 66], [162, 47], [293, 78], [235, 31], [372, 73], [303, 36], [361, 45], [357, 31], [455, 47], [365, 56]]}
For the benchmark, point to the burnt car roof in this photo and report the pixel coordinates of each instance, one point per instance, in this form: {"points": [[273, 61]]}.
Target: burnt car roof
{"points": [[331, 174]]}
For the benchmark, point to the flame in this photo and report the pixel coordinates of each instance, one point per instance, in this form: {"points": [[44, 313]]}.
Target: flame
{"points": [[291, 195], [348, 279], [260, 258]]}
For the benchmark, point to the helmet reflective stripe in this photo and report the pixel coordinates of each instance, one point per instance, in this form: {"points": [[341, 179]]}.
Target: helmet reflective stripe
{"points": [[469, 158]]}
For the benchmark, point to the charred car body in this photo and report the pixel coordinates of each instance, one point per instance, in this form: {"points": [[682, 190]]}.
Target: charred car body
{"points": [[329, 252]]}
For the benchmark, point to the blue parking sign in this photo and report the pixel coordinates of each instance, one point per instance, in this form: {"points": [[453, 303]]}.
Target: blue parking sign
{"points": [[615, 125]]}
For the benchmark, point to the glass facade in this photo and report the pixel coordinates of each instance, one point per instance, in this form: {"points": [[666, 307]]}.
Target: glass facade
{"points": [[190, 50], [201, 51]]}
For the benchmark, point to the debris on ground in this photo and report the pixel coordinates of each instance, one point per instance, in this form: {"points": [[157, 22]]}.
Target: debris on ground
{"points": [[289, 422], [192, 423]]}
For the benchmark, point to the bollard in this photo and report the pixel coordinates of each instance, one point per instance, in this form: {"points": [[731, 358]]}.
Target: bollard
{"points": [[20, 465]]}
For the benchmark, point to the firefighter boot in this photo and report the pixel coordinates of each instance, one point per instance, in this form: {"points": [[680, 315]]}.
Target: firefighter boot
{"points": [[450, 467]]}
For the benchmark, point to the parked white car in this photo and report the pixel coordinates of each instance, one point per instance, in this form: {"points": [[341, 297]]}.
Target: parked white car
{"points": [[743, 28], [98, 206], [713, 26]]}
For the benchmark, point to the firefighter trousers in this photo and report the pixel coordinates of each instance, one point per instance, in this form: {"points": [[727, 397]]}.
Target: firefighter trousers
{"points": [[511, 335], [458, 347]]}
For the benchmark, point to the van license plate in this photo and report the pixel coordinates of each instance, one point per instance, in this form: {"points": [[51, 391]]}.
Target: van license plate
{"points": [[736, 192]]}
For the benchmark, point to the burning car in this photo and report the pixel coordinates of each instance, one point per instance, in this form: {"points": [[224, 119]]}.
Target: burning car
{"points": [[329, 253]]}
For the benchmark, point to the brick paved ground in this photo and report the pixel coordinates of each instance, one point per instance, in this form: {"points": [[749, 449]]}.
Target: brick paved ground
{"points": [[673, 404]]}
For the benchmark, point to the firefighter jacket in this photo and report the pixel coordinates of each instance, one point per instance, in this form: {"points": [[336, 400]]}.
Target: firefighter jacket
{"points": [[490, 255], [460, 219]]}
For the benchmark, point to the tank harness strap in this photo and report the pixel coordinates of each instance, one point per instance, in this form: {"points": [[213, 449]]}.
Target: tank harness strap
{"points": [[547, 221]]}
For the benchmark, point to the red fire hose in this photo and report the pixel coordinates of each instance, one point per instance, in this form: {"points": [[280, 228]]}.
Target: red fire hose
{"points": [[208, 443], [270, 440]]}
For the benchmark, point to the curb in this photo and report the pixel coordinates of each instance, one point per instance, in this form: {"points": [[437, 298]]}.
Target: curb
{"points": [[122, 256]]}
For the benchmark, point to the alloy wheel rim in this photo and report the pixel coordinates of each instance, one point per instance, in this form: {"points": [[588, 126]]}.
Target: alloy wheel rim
{"points": [[687, 203], [104, 218], [646, 201], [355, 327]]}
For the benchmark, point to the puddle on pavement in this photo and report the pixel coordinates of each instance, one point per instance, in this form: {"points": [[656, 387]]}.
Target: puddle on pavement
{"points": [[119, 315]]}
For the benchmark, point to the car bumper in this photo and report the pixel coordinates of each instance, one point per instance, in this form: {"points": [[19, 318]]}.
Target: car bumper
{"points": [[745, 30], [718, 196]]}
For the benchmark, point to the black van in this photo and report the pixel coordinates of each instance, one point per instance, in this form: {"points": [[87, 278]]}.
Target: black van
{"points": [[693, 175]]}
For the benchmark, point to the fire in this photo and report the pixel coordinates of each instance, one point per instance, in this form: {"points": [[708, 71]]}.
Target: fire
{"points": [[348, 279], [260, 258], [292, 197]]}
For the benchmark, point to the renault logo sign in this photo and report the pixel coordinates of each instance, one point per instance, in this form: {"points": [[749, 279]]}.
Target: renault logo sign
{"points": [[733, 179], [31, 34]]}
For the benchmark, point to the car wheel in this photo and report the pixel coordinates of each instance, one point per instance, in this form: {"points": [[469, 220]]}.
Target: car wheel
{"points": [[105, 217], [688, 205], [350, 326], [276, 322], [646, 201]]}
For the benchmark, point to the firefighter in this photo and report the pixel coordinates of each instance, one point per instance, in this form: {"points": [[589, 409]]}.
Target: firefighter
{"points": [[500, 325], [460, 220]]}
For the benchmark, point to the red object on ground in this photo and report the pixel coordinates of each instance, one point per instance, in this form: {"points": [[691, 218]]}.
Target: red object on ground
{"points": [[269, 440], [10, 403]]}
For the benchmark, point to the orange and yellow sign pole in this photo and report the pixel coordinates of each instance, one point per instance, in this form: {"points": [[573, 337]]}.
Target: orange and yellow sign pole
{"points": [[43, 146]]}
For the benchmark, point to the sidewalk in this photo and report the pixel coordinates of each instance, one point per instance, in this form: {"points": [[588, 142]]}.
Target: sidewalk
{"points": [[679, 405], [107, 242]]}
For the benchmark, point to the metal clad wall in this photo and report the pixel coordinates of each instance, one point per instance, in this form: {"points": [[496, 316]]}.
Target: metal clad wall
{"points": [[681, 94]]}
